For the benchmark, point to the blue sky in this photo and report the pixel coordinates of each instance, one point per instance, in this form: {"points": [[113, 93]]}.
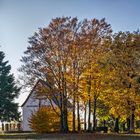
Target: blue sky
{"points": [[19, 19]]}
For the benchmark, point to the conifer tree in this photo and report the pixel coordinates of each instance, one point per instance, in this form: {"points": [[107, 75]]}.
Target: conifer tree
{"points": [[8, 92]]}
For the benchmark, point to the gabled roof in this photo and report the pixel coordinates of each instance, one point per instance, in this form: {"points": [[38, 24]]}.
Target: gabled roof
{"points": [[39, 81], [45, 84]]}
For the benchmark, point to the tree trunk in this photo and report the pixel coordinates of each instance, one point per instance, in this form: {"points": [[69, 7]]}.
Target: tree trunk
{"points": [[61, 113], [89, 115], [85, 117], [104, 123], [116, 128], [73, 122], [94, 113], [132, 128], [123, 127], [78, 114], [78, 106], [61, 102], [61, 122], [89, 104], [65, 111], [74, 97], [65, 121], [128, 124], [65, 114]]}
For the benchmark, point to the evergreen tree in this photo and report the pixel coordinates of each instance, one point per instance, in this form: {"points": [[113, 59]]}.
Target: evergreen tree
{"points": [[8, 92]]}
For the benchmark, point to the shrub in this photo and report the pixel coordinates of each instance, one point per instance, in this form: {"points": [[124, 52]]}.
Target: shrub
{"points": [[44, 120]]}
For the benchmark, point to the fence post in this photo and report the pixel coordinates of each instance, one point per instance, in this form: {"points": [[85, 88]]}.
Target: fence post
{"points": [[18, 126], [2, 126], [6, 127]]}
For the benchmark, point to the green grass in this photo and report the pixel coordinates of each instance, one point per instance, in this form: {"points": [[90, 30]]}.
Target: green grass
{"points": [[78, 136]]}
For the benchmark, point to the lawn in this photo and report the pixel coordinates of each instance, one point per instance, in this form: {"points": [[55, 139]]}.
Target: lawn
{"points": [[78, 136]]}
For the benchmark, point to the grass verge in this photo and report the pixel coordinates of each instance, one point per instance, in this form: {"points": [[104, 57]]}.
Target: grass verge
{"points": [[71, 136]]}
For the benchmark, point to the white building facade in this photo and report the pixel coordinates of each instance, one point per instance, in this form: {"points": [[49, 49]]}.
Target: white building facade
{"points": [[31, 105]]}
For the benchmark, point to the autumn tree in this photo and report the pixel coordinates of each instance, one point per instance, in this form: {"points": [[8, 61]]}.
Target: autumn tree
{"points": [[124, 67], [59, 54], [96, 35], [47, 59]]}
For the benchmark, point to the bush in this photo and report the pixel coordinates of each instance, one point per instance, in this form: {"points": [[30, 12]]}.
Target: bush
{"points": [[44, 120]]}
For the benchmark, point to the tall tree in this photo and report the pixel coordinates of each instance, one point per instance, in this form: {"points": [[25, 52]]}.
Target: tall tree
{"points": [[59, 54], [124, 67], [8, 92], [48, 60]]}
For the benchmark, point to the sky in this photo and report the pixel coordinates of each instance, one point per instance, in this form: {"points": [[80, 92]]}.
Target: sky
{"points": [[19, 19]]}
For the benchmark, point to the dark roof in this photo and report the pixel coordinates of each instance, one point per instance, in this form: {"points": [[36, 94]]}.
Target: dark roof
{"points": [[39, 81], [47, 85]]}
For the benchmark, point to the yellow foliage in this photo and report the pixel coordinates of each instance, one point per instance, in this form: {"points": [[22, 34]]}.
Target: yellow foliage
{"points": [[44, 120]]}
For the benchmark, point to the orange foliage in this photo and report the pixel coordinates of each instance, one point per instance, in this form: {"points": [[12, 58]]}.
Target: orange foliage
{"points": [[44, 120]]}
